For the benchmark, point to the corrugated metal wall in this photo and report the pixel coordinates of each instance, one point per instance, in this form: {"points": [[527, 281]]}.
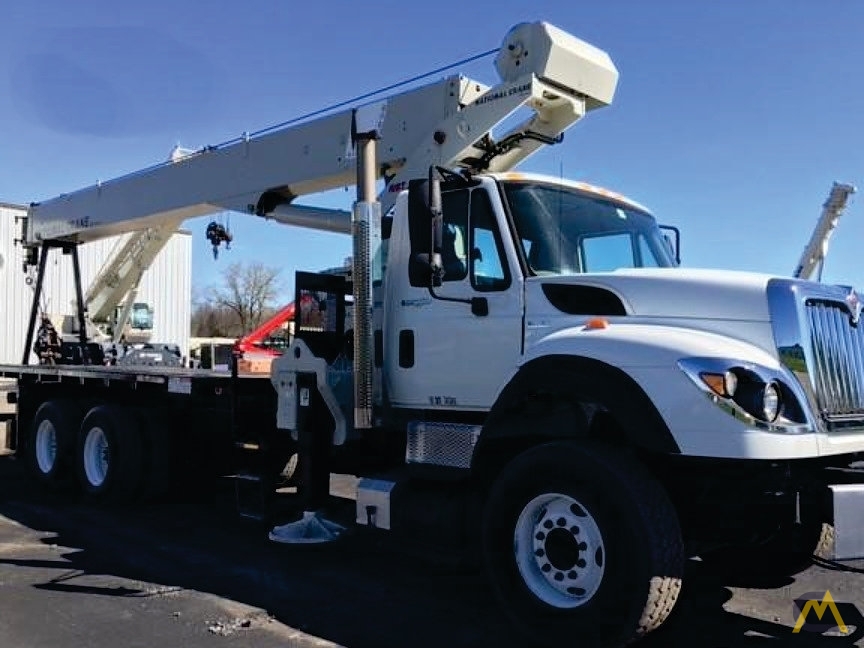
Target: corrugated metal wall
{"points": [[166, 286]]}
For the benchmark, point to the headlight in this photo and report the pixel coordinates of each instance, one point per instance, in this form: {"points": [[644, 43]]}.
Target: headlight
{"points": [[770, 402], [757, 395]]}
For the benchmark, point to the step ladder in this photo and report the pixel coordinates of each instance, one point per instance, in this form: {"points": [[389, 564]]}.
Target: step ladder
{"points": [[253, 489]]}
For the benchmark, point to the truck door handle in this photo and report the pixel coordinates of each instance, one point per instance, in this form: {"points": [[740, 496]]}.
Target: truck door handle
{"points": [[479, 306], [406, 348]]}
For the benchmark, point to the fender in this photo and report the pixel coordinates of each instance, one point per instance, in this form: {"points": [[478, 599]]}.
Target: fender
{"points": [[557, 396]]}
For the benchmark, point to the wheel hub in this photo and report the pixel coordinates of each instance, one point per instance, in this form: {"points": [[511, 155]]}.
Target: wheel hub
{"points": [[97, 456], [46, 446], [559, 550], [562, 548]]}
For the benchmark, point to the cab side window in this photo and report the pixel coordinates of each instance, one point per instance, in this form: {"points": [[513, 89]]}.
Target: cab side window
{"points": [[488, 269], [471, 245]]}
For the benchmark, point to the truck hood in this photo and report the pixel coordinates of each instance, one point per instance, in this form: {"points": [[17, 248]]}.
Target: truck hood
{"points": [[679, 293]]}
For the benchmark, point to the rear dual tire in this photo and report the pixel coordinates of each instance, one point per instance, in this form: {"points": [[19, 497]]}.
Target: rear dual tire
{"points": [[51, 442], [116, 453], [110, 453]]}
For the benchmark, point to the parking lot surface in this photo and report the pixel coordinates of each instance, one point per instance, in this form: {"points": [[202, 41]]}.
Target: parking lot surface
{"points": [[189, 572]]}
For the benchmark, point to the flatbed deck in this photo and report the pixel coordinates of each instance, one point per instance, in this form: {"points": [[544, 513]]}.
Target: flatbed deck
{"points": [[206, 407], [175, 380], [117, 372]]}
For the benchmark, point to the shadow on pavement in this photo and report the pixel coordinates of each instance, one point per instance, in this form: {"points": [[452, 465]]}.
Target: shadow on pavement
{"points": [[699, 619], [362, 591]]}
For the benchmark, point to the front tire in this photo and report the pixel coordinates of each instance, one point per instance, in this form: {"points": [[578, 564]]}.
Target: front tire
{"points": [[582, 546]]}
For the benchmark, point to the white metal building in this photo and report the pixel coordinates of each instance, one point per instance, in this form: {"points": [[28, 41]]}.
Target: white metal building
{"points": [[166, 286]]}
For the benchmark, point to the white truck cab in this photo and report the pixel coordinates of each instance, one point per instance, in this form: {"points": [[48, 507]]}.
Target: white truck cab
{"points": [[568, 269]]}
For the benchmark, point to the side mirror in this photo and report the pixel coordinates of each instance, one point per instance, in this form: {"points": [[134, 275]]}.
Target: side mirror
{"points": [[426, 230], [428, 273], [673, 240], [436, 212]]}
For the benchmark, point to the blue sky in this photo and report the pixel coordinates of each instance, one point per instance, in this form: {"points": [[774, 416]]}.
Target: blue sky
{"points": [[731, 119]]}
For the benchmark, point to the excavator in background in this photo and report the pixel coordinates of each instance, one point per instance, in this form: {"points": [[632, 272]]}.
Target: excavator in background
{"points": [[813, 258]]}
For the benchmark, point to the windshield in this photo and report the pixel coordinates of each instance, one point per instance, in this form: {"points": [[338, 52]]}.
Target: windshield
{"points": [[567, 231]]}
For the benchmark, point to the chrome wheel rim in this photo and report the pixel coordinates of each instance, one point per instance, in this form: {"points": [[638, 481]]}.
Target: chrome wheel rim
{"points": [[96, 456], [559, 550], [46, 446]]}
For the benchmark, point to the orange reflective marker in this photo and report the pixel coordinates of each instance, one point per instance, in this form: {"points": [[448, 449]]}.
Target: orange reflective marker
{"points": [[596, 323]]}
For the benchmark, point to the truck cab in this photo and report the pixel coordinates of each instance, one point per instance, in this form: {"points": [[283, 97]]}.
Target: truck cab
{"points": [[507, 239], [536, 271]]}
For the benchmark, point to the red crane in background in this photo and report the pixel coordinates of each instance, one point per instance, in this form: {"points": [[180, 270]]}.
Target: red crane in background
{"points": [[255, 342]]}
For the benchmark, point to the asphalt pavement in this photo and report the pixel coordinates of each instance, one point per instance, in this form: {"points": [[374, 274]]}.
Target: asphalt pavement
{"points": [[189, 572]]}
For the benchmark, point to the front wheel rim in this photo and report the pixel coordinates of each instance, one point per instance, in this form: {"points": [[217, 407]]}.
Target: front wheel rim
{"points": [[96, 456], [559, 550], [46, 446]]}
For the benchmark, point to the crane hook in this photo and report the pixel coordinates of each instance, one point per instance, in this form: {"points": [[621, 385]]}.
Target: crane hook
{"points": [[216, 233]]}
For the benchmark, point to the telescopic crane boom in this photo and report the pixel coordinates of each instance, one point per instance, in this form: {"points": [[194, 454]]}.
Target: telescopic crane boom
{"points": [[813, 257], [556, 76]]}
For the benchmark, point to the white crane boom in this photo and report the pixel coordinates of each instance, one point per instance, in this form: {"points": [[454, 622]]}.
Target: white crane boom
{"points": [[555, 75], [816, 250], [120, 275]]}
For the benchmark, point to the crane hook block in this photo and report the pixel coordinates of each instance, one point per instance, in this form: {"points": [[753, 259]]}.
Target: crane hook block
{"points": [[217, 234]]}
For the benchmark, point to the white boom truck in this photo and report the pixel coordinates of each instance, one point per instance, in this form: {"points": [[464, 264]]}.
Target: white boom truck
{"points": [[529, 374]]}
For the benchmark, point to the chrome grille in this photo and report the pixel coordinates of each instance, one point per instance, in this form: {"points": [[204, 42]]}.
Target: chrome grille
{"points": [[837, 348]]}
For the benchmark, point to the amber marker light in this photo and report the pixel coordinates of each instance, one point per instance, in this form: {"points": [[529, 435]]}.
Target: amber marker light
{"points": [[596, 323], [723, 384]]}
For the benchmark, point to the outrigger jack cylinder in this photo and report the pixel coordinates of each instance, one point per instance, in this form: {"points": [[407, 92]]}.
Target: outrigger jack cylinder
{"points": [[314, 444]]}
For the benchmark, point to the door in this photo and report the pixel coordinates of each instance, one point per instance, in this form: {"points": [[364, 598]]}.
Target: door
{"points": [[444, 355]]}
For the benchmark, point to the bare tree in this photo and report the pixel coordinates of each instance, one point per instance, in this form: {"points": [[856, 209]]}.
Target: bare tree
{"points": [[212, 320], [248, 292]]}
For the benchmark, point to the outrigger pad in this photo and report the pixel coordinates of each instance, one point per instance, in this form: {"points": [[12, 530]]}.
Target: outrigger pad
{"points": [[310, 529]]}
